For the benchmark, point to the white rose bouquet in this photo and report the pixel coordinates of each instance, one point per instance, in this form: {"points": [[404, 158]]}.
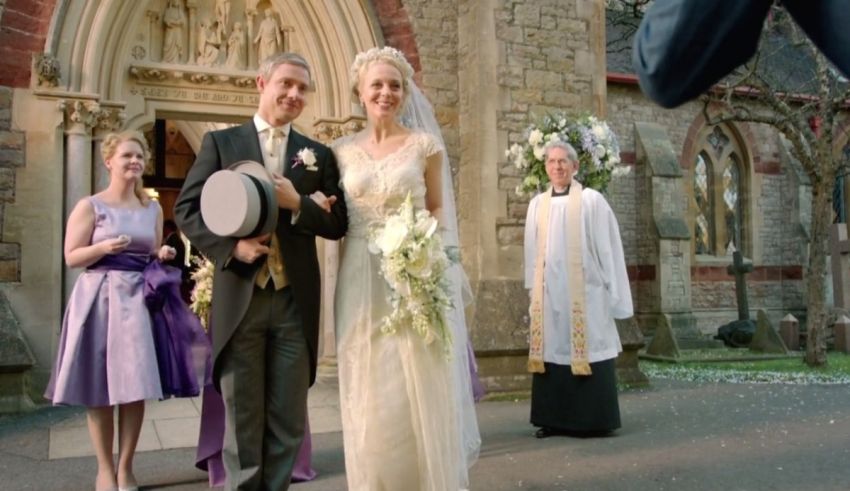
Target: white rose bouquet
{"points": [[202, 291], [595, 143], [414, 263]]}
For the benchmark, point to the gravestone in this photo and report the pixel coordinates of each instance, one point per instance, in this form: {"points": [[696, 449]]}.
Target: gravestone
{"points": [[789, 330], [16, 360], [766, 339], [739, 333], [839, 249], [841, 329], [628, 369], [664, 341]]}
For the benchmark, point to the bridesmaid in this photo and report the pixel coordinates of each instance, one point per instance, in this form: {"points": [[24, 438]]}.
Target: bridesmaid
{"points": [[114, 350]]}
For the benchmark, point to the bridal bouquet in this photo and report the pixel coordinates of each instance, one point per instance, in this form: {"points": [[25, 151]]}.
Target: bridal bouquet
{"points": [[595, 143], [414, 264], [202, 291]]}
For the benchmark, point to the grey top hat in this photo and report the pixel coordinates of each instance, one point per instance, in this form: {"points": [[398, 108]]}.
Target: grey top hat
{"points": [[240, 201]]}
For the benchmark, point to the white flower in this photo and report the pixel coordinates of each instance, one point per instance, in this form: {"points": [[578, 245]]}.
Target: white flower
{"points": [[392, 236], [592, 138], [413, 263], [539, 152], [420, 262], [599, 151], [621, 170], [535, 138], [306, 157], [426, 226], [599, 131]]}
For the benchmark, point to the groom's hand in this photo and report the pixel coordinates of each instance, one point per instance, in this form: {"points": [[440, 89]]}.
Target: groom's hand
{"points": [[287, 195], [249, 250]]}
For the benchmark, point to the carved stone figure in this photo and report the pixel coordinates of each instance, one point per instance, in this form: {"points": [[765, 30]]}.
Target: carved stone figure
{"points": [[268, 39], [175, 25], [208, 43], [236, 48], [222, 16], [47, 68]]}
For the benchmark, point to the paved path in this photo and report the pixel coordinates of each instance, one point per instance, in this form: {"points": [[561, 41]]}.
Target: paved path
{"points": [[676, 435]]}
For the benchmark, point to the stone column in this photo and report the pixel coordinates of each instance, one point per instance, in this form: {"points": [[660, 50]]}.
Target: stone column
{"points": [[153, 23], [80, 118], [329, 261], [192, 5], [666, 240], [252, 53]]}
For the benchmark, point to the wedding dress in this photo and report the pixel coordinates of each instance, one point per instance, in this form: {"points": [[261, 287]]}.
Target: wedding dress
{"points": [[401, 416]]}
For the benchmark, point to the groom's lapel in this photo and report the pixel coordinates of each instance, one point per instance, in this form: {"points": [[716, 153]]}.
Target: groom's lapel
{"points": [[294, 143], [248, 141]]}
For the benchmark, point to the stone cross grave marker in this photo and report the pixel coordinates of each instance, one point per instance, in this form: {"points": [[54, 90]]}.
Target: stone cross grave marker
{"points": [[839, 250], [738, 269]]}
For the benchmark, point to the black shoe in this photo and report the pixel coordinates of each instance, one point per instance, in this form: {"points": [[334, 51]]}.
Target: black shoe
{"points": [[546, 432]]}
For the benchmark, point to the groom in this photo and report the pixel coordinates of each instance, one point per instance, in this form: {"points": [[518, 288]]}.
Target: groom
{"points": [[265, 303]]}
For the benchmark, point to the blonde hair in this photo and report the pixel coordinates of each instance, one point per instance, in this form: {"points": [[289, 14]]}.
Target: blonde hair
{"points": [[110, 145], [388, 55]]}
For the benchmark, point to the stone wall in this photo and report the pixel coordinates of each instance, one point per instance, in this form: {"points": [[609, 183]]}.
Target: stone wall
{"points": [[777, 285], [435, 26], [23, 30], [547, 67], [11, 158]]}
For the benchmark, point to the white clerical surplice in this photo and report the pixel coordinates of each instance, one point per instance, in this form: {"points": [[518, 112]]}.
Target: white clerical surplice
{"points": [[607, 293]]}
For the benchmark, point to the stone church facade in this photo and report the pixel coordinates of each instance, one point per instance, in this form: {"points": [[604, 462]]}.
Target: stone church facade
{"points": [[73, 70]]}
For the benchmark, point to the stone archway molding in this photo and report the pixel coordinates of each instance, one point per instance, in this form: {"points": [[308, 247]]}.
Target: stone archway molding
{"points": [[105, 84]]}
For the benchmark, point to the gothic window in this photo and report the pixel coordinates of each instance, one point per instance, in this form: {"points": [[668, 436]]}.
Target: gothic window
{"points": [[718, 191], [704, 218]]}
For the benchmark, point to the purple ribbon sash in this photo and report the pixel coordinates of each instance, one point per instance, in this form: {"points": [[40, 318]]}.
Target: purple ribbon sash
{"points": [[182, 347]]}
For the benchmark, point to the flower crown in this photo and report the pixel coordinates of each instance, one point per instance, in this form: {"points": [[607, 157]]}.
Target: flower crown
{"points": [[381, 54]]}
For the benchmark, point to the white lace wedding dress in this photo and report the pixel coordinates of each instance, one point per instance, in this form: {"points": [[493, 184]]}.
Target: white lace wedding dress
{"points": [[398, 404]]}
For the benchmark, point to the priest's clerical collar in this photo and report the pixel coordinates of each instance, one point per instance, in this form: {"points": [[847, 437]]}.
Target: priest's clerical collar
{"points": [[561, 193]]}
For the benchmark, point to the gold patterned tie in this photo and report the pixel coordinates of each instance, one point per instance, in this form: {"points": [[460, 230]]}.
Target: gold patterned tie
{"points": [[273, 141], [273, 267]]}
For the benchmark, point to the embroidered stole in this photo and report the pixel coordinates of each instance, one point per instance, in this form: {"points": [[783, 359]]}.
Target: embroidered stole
{"points": [[579, 363]]}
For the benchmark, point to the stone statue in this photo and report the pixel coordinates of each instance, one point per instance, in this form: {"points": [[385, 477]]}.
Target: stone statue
{"points": [[251, 5], [175, 24], [222, 15], [236, 48], [47, 69], [268, 39], [208, 43]]}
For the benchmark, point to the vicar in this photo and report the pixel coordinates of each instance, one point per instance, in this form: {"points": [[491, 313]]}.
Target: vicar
{"points": [[576, 272]]}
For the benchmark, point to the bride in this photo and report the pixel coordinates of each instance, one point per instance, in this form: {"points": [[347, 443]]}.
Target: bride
{"points": [[407, 409]]}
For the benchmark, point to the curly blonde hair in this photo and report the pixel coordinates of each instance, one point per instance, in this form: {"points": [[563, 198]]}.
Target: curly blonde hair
{"points": [[110, 145], [388, 55]]}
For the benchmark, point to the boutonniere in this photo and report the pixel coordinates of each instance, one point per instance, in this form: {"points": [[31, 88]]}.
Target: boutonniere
{"points": [[306, 157]]}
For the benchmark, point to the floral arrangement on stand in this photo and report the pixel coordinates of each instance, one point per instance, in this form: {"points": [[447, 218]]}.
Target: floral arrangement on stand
{"points": [[202, 291], [414, 264], [596, 145]]}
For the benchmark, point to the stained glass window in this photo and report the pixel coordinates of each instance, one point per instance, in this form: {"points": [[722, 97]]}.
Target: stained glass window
{"points": [[732, 204], [704, 220], [719, 189]]}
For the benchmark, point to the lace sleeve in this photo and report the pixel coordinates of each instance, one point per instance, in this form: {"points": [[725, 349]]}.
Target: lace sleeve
{"points": [[430, 144]]}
